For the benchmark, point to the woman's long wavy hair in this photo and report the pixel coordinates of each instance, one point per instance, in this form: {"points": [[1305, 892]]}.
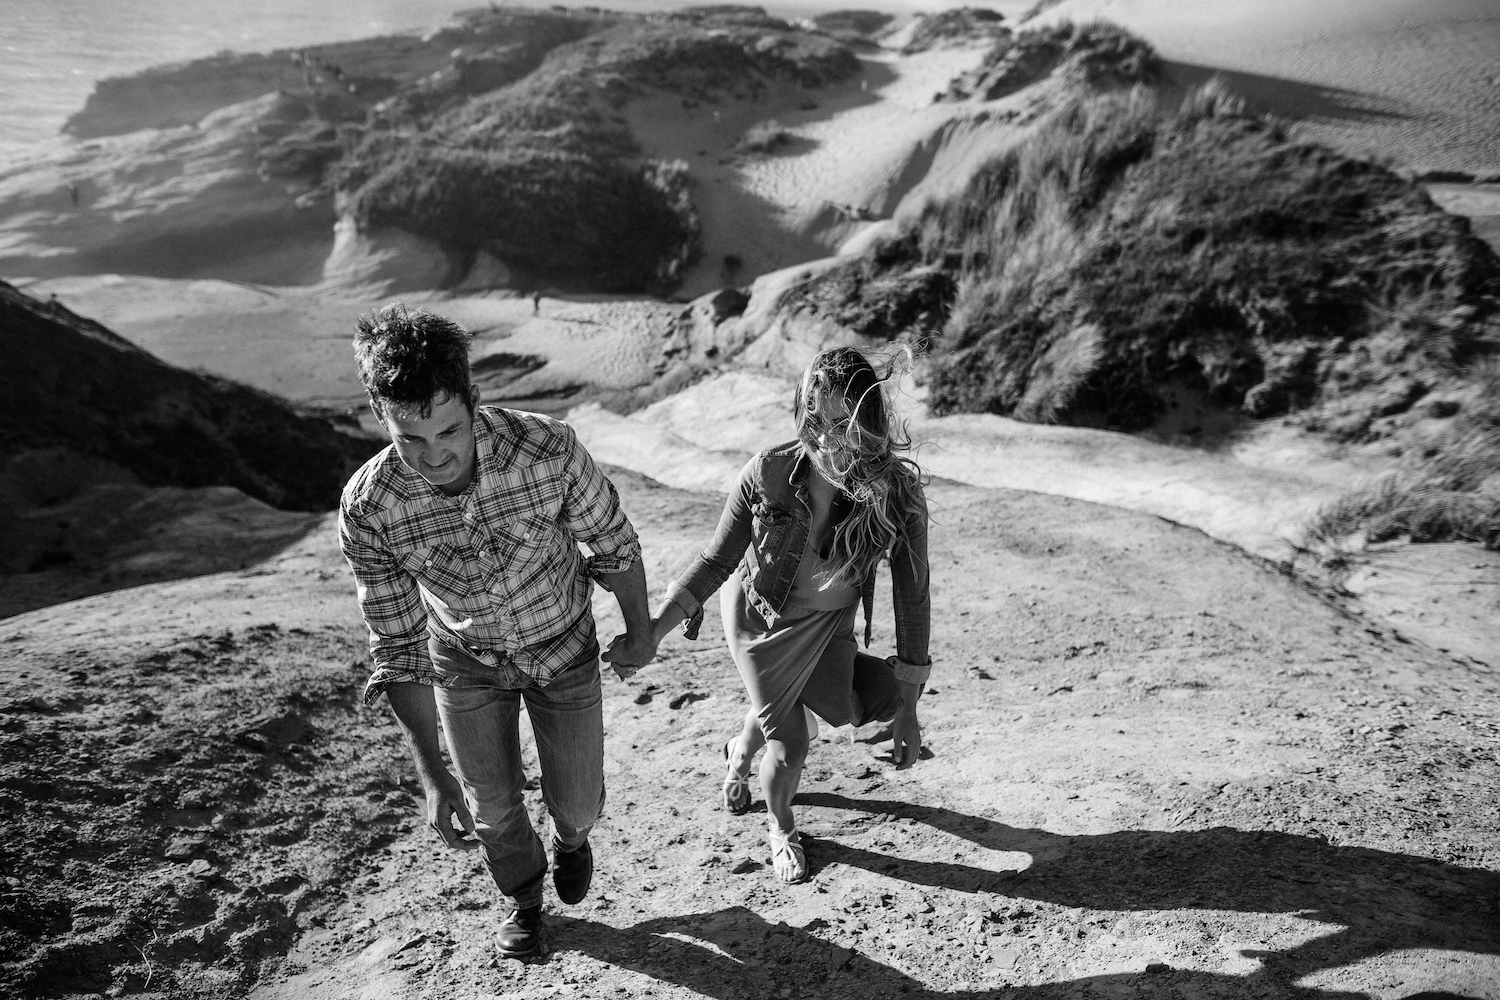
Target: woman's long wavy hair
{"points": [[846, 426]]}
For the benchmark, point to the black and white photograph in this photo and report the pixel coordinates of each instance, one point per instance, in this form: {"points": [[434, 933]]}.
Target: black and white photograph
{"points": [[750, 502]]}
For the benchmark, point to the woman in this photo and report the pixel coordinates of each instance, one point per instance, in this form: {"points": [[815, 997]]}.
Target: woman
{"points": [[798, 545]]}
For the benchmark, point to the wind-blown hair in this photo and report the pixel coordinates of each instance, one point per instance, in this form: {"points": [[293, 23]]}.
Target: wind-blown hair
{"points": [[845, 424], [410, 357]]}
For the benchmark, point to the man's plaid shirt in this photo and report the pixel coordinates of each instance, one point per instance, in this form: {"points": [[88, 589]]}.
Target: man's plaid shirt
{"points": [[496, 570]]}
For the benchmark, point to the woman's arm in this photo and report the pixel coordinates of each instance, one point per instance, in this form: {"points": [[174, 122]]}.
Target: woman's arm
{"points": [[910, 584], [708, 572], [668, 616]]}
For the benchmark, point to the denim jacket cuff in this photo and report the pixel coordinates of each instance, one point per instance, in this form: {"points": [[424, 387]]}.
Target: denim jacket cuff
{"points": [[691, 607], [911, 673]]}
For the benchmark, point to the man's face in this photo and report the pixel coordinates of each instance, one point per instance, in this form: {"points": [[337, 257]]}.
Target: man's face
{"points": [[438, 447]]}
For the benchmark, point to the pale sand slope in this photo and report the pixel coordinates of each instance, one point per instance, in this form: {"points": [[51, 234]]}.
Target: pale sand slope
{"points": [[1413, 82], [1257, 495], [862, 144]]}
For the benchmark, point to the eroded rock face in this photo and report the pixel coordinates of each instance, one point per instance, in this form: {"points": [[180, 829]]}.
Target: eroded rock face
{"points": [[763, 326], [174, 203], [401, 261]]}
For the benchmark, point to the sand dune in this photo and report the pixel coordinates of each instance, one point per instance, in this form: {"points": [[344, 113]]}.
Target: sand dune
{"points": [[1414, 82]]}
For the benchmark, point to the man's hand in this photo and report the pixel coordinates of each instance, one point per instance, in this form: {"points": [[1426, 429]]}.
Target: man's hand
{"points": [[445, 799], [629, 652]]}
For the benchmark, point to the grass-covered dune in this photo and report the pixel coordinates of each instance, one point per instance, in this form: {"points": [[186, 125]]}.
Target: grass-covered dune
{"points": [[1131, 251], [543, 173], [1098, 55], [499, 133]]}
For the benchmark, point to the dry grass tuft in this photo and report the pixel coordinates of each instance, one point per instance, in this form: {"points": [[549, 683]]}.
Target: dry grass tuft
{"points": [[763, 137], [1448, 490]]}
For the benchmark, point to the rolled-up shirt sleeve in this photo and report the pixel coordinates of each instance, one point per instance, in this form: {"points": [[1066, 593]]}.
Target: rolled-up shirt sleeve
{"points": [[391, 606], [592, 514]]}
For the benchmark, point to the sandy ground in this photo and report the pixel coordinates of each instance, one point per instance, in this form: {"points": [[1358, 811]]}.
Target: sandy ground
{"points": [[1256, 492], [1156, 769]]}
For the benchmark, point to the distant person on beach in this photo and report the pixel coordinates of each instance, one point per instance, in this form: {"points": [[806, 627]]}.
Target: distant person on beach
{"points": [[536, 303], [796, 551], [463, 537]]}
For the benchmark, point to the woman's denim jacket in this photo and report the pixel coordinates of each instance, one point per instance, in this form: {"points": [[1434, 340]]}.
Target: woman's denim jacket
{"points": [[763, 531]]}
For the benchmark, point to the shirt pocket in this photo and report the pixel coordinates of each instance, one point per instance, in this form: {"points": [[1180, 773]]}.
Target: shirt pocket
{"points": [[522, 547], [443, 570]]}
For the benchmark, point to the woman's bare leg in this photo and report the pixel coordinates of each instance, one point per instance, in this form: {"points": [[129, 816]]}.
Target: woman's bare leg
{"points": [[781, 770], [780, 773], [746, 744]]}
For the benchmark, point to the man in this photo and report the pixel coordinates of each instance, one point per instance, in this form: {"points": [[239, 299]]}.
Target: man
{"points": [[463, 537]]}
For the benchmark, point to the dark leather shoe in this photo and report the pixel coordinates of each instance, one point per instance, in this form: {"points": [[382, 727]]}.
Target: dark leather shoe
{"points": [[520, 933], [572, 871]]}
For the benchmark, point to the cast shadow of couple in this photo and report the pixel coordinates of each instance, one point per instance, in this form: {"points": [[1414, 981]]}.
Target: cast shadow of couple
{"points": [[1378, 902]]}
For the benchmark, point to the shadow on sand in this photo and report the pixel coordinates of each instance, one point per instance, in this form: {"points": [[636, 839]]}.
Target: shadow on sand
{"points": [[1382, 902], [1288, 98]]}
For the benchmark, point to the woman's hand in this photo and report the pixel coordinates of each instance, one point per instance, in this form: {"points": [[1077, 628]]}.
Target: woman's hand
{"points": [[906, 731]]}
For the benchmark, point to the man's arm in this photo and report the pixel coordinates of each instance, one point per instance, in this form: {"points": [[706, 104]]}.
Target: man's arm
{"points": [[397, 624], [591, 511], [637, 647], [416, 713]]}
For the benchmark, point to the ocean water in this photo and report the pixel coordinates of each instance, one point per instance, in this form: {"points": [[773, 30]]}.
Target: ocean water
{"points": [[52, 51]]}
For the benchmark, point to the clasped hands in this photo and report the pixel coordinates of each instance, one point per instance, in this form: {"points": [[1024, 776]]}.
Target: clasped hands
{"points": [[628, 652]]}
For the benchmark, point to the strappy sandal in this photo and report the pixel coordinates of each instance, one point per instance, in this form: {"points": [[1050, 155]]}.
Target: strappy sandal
{"points": [[736, 791], [787, 856]]}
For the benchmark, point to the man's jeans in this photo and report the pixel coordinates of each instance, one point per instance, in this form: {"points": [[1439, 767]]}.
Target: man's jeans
{"points": [[480, 711]]}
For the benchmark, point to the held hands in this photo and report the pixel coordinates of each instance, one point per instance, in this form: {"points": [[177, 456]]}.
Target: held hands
{"points": [[628, 652], [445, 799]]}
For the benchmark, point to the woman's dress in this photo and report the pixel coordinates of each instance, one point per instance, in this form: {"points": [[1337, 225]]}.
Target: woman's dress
{"points": [[809, 657]]}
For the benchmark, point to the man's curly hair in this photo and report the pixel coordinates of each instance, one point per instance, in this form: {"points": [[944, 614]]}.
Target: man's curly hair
{"points": [[409, 358]]}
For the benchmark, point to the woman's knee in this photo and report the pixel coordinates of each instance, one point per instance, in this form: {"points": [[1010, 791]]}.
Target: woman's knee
{"points": [[788, 748]]}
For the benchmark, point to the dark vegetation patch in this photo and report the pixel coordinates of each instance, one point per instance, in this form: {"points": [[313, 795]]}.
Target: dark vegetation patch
{"points": [[763, 137], [853, 25], [498, 133], [960, 25], [1098, 55], [550, 154], [1037, 9], [1127, 252], [1447, 487], [171, 819], [70, 384]]}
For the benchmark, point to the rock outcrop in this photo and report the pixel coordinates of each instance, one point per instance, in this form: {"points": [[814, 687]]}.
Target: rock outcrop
{"points": [[89, 400]]}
